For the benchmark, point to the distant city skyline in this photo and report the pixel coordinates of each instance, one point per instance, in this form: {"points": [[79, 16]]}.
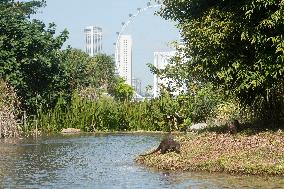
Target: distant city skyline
{"points": [[93, 40], [124, 58], [161, 60], [149, 32]]}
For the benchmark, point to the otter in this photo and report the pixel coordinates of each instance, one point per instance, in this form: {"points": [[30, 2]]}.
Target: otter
{"points": [[233, 126], [168, 144]]}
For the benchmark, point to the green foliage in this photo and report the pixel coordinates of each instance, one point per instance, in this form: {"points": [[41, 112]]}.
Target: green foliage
{"points": [[32, 61], [197, 104], [204, 103], [237, 45], [80, 113], [105, 114], [29, 54], [123, 91], [176, 73], [85, 71], [104, 72], [77, 65], [227, 111]]}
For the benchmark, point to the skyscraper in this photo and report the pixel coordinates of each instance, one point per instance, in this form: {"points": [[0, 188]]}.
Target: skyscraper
{"points": [[93, 38], [124, 58], [161, 60]]}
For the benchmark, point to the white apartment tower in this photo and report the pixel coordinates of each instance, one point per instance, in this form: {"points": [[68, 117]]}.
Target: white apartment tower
{"points": [[93, 38], [124, 58], [161, 59]]}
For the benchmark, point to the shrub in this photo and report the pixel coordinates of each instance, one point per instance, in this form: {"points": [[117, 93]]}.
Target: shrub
{"points": [[8, 111]]}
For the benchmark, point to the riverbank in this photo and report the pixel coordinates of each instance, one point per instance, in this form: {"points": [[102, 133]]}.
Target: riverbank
{"points": [[102, 161], [257, 154]]}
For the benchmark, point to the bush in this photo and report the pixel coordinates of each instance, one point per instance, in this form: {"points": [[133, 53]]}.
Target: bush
{"points": [[8, 111], [102, 113]]}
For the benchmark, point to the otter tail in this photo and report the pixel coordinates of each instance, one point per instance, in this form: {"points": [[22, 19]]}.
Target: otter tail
{"points": [[154, 151]]}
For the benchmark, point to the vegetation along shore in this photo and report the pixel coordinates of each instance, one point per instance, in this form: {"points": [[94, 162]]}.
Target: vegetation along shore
{"points": [[228, 68]]}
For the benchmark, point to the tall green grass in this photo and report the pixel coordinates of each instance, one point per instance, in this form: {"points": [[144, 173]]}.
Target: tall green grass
{"points": [[103, 114]]}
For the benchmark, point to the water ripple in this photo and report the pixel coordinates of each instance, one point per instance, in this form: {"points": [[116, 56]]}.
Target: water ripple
{"points": [[101, 161]]}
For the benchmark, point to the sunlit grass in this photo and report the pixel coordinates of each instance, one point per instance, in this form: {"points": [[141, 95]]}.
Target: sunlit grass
{"points": [[259, 154]]}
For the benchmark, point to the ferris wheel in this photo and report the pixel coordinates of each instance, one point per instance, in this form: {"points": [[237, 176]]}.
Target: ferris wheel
{"points": [[125, 24]]}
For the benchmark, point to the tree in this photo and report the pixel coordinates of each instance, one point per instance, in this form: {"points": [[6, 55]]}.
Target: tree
{"points": [[104, 72], [78, 67], [83, 70], [123, 91], [149, 91], [237, 45], [30, 54]]}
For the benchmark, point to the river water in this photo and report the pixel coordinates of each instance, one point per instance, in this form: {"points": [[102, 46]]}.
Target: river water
{"points": [[102, 162]]}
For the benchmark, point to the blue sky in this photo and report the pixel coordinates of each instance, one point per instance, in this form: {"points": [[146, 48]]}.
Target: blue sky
{"points": [[149, 32]]}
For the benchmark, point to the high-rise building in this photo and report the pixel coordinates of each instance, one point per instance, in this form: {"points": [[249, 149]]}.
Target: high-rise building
{"points": [[124, 58], [93, 38], [161, 60], [136, 84]]}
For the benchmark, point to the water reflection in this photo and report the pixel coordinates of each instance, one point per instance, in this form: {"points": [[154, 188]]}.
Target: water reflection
{"points": [[217, 180], [101, 161]]}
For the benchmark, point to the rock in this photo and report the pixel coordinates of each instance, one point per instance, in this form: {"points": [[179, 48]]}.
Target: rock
{"points": [[70, 130], [197, 126]]}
